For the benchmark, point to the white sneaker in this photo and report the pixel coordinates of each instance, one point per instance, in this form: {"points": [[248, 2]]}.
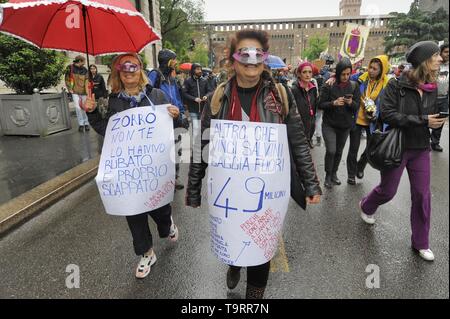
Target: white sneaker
{"points": [[426, 254], [173, 235], [367, 218], [144, 266]]}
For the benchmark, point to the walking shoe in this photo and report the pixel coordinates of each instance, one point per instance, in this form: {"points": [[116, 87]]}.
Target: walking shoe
{"points": [[328, 182], [351, 181], [318, 141], [254, 292], [173, 234], [366, 218], [437, 148], [233, 277], [335, 179], [81, 128], [360, 174], [145, 264], [87, 128], [426, 254]]}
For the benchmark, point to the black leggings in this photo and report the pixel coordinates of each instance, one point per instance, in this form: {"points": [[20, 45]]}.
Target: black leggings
{"points": [[257, 276], [334, 143], [353, 165], [142, 237]]}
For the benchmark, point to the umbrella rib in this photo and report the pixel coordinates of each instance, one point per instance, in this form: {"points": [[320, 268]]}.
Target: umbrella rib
{"points": [[131, 39], [50, 21], [92, 33]]}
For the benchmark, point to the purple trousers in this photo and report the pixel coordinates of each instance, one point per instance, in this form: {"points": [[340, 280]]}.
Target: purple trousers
{"points": [[417, 162]]}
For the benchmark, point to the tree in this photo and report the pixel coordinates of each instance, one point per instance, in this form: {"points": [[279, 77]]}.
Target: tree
{"points": [[24, 67], [316, 46], [200, 55], [415, 26], [177, 22]]}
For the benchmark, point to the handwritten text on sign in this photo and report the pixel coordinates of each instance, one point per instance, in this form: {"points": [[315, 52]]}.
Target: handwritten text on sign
{"points": [[248, 190], [137, 169]]}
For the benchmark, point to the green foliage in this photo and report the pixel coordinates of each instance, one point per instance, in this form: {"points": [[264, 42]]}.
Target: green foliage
{"points": [[177, 23], [316, 45], [24, 67], [200, 55], [415, 26]]}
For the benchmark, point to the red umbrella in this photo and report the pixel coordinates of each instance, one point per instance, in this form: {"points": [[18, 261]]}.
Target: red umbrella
{"points": [[185, 66], [97, 27]]}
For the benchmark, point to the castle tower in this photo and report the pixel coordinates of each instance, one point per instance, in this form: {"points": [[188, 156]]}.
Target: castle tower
{"points": [[350, 8]]}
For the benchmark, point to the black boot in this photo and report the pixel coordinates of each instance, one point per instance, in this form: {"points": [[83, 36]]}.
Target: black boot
{"points": [[81, 128], [233, 277], [328, 182], [351, 181], [437, 148], [335, 179], [254, 292]]}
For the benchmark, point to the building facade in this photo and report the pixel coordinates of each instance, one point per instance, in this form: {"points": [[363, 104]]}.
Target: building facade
{"points": [[290, 37]]}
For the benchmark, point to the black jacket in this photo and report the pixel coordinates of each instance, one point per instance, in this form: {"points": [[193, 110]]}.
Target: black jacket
{"points": [[301, 159], [414, 117], [301, 99], [194, 87], [99, 87], [116, 105], [340, 117]]}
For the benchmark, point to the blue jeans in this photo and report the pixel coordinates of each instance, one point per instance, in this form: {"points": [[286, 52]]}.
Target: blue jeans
{"points": [[81, 114]]}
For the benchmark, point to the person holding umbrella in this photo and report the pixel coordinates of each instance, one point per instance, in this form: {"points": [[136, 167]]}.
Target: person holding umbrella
{"points": [[77, 80], [130, 88]]}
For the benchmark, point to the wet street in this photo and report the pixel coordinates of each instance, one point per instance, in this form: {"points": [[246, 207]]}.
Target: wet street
{"points": [[324, 251]]}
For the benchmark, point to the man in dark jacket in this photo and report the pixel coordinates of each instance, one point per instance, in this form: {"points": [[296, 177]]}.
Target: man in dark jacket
{"points": [[195, 90], [339, 103]]}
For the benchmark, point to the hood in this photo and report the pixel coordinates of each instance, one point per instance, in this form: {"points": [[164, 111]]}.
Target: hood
{"points": [[385, 69], [194, 66], [344, 64], [164, 56]]}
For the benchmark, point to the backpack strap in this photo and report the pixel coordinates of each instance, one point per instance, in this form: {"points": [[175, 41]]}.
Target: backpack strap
{"points": [[159, 78]]}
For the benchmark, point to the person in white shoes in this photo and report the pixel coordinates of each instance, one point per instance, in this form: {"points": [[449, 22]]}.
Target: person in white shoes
{"points": [[130, 88], [416, 90]]}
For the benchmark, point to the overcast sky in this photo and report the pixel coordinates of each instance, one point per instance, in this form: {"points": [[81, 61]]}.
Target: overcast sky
{"points": [[217, 10]]}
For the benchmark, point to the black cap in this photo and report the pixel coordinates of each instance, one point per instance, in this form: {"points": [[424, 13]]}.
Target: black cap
{"points": [[420, 52]]}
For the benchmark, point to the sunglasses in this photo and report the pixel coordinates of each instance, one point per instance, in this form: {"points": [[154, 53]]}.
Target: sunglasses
{"points": [[128, 67], [250, 55]]}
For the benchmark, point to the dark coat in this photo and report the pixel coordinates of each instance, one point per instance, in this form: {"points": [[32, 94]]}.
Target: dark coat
{"points": [[99, 87], [301, 99], [340, 117], [194, 87], [116, 105], [301, 159], [414, 118]]}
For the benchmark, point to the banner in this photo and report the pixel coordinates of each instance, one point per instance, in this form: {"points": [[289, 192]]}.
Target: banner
{"points": [[137, 166], [248, 190], [354, 43]]}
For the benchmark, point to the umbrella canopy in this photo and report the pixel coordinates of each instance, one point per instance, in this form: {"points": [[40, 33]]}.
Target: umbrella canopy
{"points": [[96, 27], [275, 62], [185, 67]]}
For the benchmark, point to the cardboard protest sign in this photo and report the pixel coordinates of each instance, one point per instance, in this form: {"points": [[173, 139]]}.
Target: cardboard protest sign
{"points": [[248, 190], [137, 166]]}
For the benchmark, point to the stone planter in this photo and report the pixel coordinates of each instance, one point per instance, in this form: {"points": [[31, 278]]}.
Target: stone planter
{"points": [[35, 115]]}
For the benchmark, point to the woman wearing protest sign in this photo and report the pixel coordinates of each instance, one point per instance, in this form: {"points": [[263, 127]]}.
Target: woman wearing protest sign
{"points": [[251, 95], [130, 88]]}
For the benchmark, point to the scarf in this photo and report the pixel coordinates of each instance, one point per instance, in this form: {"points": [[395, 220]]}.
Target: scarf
{"points": [[235, 111], [308, 99], [133, 100], [428, 87]]}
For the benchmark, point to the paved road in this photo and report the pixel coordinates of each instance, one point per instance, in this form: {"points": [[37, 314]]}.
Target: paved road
{"points": [[324, 251]]}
